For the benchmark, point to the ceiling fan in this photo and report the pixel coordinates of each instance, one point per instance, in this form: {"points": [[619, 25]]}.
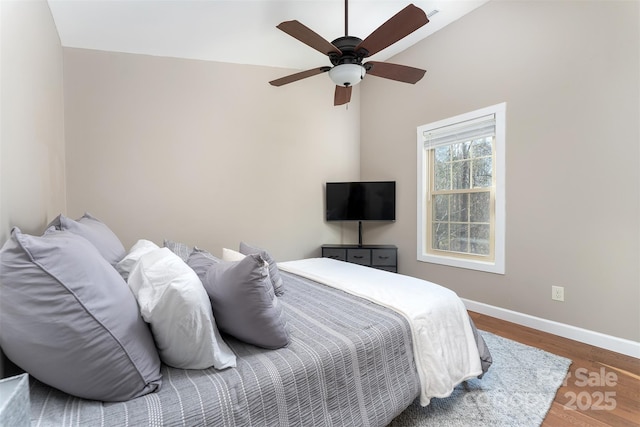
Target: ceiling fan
{"points": [[347, 53]]}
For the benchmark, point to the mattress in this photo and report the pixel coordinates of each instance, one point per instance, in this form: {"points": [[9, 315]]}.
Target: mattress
{"points": [[446, 346]]}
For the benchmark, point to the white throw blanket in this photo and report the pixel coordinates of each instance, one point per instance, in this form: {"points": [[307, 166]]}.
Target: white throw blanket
{"points": [[444, 347]]}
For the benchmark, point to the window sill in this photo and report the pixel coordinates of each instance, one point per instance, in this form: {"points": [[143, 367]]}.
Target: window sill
{"points": [[496, 267]]}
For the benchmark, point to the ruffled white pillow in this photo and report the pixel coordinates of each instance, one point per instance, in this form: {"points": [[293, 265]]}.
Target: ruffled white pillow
{"points": [[125, 265]]}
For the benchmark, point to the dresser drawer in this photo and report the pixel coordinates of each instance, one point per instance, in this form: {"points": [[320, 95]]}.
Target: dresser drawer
{"points": [[383, 257], [359, 256], [335, 253]]}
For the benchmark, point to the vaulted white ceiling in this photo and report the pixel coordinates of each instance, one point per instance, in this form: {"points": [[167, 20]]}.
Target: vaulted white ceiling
{"points": [[237, 31]]}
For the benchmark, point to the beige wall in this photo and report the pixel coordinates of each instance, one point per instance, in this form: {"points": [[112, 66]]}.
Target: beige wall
{"points": [[209, 153], [32, 188], [205, 153], [569, 72]]}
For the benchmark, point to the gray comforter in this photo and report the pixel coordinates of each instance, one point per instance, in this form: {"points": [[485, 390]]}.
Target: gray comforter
{"points": [[349, 362]]}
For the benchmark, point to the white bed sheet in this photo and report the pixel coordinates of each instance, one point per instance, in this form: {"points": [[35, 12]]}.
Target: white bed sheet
{"points": [[445, 349]]}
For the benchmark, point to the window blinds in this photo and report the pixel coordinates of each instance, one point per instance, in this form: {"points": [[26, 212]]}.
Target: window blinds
{"points": [[481, 127]]}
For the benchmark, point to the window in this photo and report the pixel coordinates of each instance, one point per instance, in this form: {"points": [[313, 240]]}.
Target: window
{"points": [[461, 207]]}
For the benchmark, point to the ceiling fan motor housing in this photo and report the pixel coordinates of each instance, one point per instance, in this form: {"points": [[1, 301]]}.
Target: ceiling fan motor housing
{"points": [[347, 46]]}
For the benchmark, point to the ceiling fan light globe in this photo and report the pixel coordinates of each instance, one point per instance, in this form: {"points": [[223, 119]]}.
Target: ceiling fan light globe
{"points": [[347, 74]]}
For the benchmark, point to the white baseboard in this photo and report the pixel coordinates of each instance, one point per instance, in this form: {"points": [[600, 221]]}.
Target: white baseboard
{"points": [[619, 345]]}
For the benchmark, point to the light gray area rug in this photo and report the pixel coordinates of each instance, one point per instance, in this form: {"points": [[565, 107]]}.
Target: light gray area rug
{"points": [[517, 390]]}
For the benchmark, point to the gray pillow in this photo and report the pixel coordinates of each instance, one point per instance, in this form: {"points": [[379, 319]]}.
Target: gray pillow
{"points": [[96, 232], [274, 273], [180, 249], [244, 304], [70, 320], [200, 261]]}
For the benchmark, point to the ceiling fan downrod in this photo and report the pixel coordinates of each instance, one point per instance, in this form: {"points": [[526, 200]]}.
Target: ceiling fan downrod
{"points": [[346, 18]]}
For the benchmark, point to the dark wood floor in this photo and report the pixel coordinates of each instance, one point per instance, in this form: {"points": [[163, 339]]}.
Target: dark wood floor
{"points": [[602, 388]]}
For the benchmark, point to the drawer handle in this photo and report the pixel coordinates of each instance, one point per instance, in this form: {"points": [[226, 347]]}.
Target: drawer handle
{"points": [[383, 257], [358, 256]]}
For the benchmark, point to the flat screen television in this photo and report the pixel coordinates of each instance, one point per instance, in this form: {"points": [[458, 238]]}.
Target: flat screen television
{"points": [[361, 201]]}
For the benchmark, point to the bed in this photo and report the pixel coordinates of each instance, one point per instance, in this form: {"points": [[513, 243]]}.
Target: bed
{"points": [[358, 355]]}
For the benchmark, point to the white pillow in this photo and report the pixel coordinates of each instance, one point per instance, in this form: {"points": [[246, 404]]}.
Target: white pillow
{"points": [[142, 247], [234, 256], [231, 255], [174, 302]]}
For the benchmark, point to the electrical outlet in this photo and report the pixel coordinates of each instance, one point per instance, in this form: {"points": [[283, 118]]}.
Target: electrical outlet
{"points": [[557, 293]]}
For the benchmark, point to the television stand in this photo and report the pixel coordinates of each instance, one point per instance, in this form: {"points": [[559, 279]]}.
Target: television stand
{"points": [[382, 257]]}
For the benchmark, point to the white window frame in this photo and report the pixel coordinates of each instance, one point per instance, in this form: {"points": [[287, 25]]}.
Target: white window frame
{"points": [[497, 265]]}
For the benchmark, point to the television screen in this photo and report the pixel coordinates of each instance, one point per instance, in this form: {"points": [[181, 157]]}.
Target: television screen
{"points": [[361, 201]]}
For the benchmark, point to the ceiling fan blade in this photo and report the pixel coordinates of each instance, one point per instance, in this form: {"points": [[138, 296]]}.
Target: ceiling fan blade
{"points": [[401, 73], [298, 76], [396, 28], [309, 37], [342, 95]]}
